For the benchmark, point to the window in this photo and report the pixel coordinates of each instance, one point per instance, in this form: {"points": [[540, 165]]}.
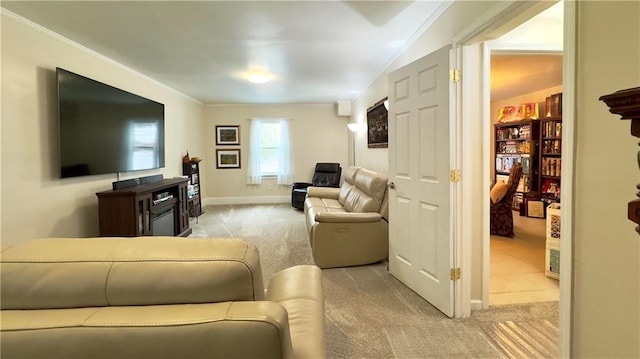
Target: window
{"points": [[269, 153], [270, 149]]}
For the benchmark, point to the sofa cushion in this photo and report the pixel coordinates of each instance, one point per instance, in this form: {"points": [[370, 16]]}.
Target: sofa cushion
{"points": [[68, 273], [323, 202], [211, 330], [368, 192], [347, 184]]}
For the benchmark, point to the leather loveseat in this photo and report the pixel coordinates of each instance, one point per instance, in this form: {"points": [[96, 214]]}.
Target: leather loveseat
{"points": [[348, 226], [155, 297]]}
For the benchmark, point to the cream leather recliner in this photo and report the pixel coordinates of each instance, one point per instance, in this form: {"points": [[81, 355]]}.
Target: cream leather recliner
{"points": [[155, 297], [348, 226]]}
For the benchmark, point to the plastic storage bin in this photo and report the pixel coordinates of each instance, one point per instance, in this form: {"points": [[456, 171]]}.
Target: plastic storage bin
{"points": [[552, 258], [553, 222]]}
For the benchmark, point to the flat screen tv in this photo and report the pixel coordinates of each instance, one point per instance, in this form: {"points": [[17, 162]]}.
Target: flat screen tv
{"points": [[106, 130]]}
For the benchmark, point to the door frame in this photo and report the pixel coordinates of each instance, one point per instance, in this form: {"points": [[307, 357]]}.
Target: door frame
{"points": [[509, 15]]}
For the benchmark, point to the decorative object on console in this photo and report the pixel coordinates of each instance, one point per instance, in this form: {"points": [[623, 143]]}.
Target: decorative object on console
{"points": [[626, 103], [227, 135], [378, 125], [228, 158]]}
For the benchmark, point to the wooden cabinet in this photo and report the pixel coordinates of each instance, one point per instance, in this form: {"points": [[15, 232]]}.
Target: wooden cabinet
{"points": [[550, 159], [518, 141], [191, 169], [158, 208]]}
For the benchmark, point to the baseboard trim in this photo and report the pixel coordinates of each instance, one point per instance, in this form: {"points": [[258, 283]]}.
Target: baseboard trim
{"points": [[217, 201], [476, 304]]}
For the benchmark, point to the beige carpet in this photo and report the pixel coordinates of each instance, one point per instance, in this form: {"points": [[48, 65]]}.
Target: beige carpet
{"points": [[370, 314]]}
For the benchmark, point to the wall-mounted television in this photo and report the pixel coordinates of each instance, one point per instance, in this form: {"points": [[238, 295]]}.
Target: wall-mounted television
{"points": [[103, 129]]}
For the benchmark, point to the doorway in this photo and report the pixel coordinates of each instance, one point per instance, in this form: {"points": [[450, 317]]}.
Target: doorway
{"points": [[518, 265], [476, 52]]}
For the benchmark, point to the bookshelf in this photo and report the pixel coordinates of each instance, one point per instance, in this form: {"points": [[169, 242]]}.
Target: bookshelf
{"points": [[550, 159], [191, 170], [518, 141]]}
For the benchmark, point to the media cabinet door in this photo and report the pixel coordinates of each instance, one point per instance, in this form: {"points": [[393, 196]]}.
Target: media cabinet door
{"points": [[183, 205]]}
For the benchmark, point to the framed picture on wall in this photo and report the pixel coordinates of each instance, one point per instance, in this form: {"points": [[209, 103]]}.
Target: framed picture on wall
{"points": [[377, 126], [228, 158], [227, 135]]}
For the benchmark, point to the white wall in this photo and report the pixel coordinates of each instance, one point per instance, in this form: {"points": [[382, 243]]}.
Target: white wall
{"points": [[439, 34], [606, 284], [35, 202], [317, 135]]}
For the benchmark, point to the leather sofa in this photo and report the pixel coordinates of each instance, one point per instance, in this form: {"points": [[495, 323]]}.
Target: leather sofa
{"points": [[348, 226], [155, 297]]}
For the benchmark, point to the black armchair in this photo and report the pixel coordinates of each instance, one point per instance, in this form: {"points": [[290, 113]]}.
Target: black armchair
{"points": [[324, 175]]}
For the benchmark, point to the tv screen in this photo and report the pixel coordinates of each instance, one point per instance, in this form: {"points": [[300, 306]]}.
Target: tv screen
{"points": [[106, 130]]}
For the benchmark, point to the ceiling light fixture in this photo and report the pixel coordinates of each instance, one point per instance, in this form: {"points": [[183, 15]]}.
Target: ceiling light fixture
{"points": [[259, 76]]}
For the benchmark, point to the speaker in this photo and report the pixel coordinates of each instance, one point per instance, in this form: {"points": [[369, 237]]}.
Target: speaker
{"points": [[151, 179], [126, 183], [343, 108]]}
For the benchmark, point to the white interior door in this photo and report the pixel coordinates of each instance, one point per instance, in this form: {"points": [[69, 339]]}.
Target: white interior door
{"points": [[420, 240]]}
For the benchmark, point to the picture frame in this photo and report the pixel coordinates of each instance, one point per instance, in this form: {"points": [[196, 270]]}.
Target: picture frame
{"points": [[227, 135], [378, 126], [228, 158]]}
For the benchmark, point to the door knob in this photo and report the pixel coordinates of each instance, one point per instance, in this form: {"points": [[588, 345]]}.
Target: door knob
{"points": [[392, 185]]}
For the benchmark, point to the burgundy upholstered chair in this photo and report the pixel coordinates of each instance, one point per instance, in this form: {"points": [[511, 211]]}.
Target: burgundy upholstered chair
{"points": [[501, 212]]}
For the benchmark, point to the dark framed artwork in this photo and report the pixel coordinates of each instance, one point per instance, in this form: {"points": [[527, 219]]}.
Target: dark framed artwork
{"points": [[227, 135], [228, 158], [378, 126]]}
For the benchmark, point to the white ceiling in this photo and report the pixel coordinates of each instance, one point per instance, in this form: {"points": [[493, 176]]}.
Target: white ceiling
{"points": [[517, 74], [318, 51]]}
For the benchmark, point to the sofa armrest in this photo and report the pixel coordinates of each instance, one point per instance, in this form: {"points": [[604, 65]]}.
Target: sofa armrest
{"points": [[348, 217], [299, 290], [324, 192]]}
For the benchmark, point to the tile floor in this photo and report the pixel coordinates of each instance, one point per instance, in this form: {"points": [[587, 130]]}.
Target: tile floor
{"points": [[517, 265]]}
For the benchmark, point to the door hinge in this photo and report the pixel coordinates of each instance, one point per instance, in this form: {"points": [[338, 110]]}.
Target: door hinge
{"points": [[454, 75], [454, 175], [455, 273]]}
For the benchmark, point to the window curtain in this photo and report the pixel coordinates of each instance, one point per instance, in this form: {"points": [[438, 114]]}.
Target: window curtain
{"points": [[285, 171], [253, 172]]}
